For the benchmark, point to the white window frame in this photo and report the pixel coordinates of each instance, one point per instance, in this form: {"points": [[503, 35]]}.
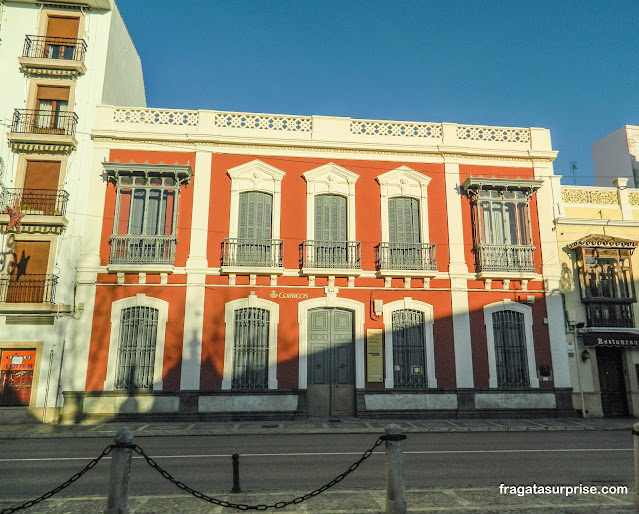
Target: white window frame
{"points": [[429, 345], [256, 176], [407, 183], [528, 331], [139, 300], [330, 179], [229, 337]]}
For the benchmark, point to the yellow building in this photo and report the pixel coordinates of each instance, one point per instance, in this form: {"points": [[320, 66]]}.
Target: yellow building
{"points": [[597, 232]]}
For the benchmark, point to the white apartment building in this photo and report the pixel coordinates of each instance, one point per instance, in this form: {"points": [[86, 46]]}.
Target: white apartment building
{"points": [[58, 61], [615, 156]]}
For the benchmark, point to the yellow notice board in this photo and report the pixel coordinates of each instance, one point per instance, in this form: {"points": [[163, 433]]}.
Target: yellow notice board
{"points": [[374, 355]]}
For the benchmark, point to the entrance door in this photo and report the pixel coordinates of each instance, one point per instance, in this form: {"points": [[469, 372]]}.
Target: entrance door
{"points": [[611, 379], [331, 363]]}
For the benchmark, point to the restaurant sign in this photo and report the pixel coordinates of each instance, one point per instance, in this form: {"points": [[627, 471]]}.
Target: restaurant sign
{"points": [[614, 339]]}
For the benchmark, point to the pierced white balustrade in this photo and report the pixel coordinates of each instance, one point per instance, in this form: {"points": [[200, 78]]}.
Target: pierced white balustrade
{"points": [[396, 128], [156, 117], [495, 134], [263, 122]]}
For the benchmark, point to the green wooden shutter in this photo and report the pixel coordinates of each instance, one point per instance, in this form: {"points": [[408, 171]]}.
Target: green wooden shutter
{"points": [[330, 218], [403, 220], [255, 215]]}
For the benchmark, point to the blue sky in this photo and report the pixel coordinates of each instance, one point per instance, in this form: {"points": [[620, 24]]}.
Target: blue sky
{"points": [[570, 66]]}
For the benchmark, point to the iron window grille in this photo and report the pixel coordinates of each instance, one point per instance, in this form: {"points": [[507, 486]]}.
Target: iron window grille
{"points": [[510, 349], [250, 349], [409, 352], [47, 47], [146, 212], [262, 253], [332, 254], [136, 348], [406, 256]]}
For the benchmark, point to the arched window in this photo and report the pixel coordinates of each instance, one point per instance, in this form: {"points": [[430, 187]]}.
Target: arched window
{"points": [[409, 349], [136, 348], [511, 351], [250, 344], [250, 349]]}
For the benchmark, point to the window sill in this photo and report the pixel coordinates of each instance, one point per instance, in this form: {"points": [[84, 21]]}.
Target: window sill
{"points": [[510, 275], [46, 66], [140, 268], [250, 270], [429, 273], [332, 272], [44, 308]]}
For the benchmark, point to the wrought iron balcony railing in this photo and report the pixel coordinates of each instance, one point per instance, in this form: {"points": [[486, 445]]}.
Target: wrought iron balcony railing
{"points": [[257, 253], [142, 249], [505, 258], [332, 254], [45, 47], [610, 314], [406, 256], [30, 121], [50, 202], [25, 288]]}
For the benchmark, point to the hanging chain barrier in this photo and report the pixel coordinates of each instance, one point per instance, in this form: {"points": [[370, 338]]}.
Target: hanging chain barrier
{"points": [[216, 501], [278, 505], [66, 484]]}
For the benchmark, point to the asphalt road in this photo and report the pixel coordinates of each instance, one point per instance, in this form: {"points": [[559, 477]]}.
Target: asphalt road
{"points": [[30, 467]]}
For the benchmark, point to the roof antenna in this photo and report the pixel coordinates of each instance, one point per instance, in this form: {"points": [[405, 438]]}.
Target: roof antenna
{"points": [[573, 167]]}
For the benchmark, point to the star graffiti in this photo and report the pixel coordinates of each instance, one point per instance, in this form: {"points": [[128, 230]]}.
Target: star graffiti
{"points": [[15, 216]]}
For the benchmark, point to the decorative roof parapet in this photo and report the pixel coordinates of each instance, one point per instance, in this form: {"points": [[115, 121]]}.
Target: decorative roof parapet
{"points": [[586, 195]]}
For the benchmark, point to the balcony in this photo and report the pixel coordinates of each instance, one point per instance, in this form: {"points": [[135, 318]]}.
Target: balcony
{"points": [[252, 256], [44, 209], [611, 313], [406, 259], [34, 289], [142, 253], [57, 56], [506, 261], [331, 258], [43, 131]]}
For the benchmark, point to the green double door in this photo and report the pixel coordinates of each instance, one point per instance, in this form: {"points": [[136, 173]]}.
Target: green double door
{"points": [[331, 363]]}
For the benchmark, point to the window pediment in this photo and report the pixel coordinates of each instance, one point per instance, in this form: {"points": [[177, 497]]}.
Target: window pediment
{"points": [[331, 178], [474, 184], [181, 173], [403, 181], [256, 176]]}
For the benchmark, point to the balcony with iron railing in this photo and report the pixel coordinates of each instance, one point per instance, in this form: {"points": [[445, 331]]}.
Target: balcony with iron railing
{"points": [[141, 253], [252, 256], [406, 259], [337, 258], [37, 289], [494, 261], [43, 130], [44, 209], [611, 312], [46, 55]]}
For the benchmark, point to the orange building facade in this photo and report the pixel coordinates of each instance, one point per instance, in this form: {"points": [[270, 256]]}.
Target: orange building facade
{"points": [[255, 266]]}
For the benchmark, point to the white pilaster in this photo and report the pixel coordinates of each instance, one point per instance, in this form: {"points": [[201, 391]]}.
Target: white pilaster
{"points": [[454, 214], [551, 269], [196, 266], [461, 334]]}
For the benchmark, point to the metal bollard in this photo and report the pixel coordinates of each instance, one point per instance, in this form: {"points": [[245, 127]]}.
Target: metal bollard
{"points": [[236, 473], [395, 485], [635, 440], [118, 501]]}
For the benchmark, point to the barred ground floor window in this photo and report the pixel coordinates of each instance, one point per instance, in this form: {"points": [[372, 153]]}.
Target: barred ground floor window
{"points": [[136, 348], [250, 349], [409, 352]]}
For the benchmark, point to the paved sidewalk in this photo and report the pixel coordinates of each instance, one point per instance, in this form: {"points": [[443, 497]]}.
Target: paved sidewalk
{"points": [[355, 501], [312, 426]]}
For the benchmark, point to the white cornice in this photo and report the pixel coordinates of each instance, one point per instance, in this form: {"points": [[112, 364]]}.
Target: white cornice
{"points": [[597, 223]]}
